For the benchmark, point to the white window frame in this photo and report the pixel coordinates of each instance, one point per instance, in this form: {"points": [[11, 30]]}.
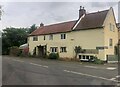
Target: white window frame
{"points": [[63, 36], [35, 38], [63, 49], [110, 42], [53, 49], [51, 37]]}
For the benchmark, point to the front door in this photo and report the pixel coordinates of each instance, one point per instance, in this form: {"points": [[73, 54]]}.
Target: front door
{"points": [[41, 51]]}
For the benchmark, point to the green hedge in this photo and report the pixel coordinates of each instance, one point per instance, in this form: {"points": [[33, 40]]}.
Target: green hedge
{"points": [[53, 56]]}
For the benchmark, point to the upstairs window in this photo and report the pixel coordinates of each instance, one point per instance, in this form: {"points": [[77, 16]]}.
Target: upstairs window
{"points": [[44, 37], [35, 38], [51, 37], [63, 36], [110, 42], [112, 27], [63, 49]]}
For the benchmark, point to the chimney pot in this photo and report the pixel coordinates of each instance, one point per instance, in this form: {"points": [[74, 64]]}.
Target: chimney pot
{"points": [[41, 24], [82, 11], [80, 7]]}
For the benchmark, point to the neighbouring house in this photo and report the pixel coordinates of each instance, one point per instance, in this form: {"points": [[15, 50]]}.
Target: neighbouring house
{"points": [[96, 33]]}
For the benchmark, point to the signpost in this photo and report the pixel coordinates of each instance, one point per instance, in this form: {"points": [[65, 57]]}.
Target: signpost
{"points": [[118, 61]]}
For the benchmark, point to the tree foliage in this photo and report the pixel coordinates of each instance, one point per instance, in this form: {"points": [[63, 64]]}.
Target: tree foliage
{"points": [[15, 37], [32, 28]]}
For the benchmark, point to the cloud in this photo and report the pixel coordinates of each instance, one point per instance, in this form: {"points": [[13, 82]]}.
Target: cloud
{"points": [[24, 14], [103, 4]]}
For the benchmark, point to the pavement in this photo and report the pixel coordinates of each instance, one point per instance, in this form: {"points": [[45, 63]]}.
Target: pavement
{"points": [[36, 71]]}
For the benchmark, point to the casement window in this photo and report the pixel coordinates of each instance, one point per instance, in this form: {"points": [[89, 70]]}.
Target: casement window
{"points": [[53, 49], [110, 42], [112, 27], [35, 38], [44, 37], [51, 37], [63, 36], [63, 49]]}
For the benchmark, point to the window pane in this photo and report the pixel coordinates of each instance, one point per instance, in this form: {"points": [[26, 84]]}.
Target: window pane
{"points": [[63, 36], [51, 37], [44, 37], [87, 57], [63, 49], [110, 42], [35, 38], [83, 57]]}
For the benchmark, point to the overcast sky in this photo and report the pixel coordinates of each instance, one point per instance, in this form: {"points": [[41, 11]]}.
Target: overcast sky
{"points": [[24, 14]]}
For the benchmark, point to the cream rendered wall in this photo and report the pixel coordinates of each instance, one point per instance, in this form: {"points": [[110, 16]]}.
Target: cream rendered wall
{"points": [[110, 34], [89, 39], [56, 42]]}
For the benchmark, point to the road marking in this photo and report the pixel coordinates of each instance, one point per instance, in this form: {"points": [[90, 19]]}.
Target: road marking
{"points": [[112, 78], [118, 76], [39, 65], [111, 68], [108, 68], [91, 67], [90, 75], [18, 60]]}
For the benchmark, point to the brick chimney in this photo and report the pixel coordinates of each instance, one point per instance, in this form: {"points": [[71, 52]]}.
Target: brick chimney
{"points": [[82, 11], [41, 24]]}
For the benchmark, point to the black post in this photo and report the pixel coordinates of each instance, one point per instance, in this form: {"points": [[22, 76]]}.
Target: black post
{"points": [[118, 62]]}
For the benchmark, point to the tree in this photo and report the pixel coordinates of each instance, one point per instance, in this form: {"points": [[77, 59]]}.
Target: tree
{"points": [[78, 49], [13, 37], [32, 28]]}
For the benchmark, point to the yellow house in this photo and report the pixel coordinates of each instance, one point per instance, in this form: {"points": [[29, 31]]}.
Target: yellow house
{"points": [[96, 33]]}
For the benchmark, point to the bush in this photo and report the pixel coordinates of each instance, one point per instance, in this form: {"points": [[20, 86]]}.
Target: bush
{"points": [[53, 56], [97, 61], [15, 51]]}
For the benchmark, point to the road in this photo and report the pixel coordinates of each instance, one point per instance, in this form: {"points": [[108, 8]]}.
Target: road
{"points": [[34, 71]]}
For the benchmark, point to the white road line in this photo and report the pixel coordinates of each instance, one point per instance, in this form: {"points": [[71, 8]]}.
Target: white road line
{"points": [[90, 75], [118, 76], [108, 68], [91, 67], [112, 78], [111, 68], [39, 65], [18, 60]]}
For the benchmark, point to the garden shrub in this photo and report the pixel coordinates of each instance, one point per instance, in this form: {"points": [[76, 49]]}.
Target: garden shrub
{"points": [[14, 51], [97, 61], [53, 56]]}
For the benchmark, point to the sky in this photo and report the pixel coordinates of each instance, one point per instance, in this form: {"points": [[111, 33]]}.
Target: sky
{"points": [[25, 14]]}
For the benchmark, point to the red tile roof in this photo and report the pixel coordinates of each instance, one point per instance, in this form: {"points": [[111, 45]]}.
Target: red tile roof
{"points": [[55, 28], [90, 21]]}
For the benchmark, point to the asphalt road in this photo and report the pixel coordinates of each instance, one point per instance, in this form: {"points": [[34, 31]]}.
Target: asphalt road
{"points": [[31, 71]]}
